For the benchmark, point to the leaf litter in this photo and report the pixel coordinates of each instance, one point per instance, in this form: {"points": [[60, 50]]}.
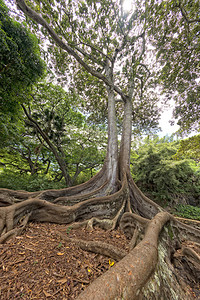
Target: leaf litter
{"points": [[39, 265]]}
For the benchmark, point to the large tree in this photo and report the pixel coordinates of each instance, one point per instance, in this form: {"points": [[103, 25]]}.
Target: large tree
{"points": [[110, 45]]}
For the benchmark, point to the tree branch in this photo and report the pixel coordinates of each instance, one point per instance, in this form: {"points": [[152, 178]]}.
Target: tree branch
{"points": [[185, 15], [37, 18]]}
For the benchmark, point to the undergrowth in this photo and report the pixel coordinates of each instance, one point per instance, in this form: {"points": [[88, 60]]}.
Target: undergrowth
{"points": [[188, 211]]}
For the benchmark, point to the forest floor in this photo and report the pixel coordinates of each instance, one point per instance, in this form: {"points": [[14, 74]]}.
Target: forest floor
{"points": [[39, 264]]}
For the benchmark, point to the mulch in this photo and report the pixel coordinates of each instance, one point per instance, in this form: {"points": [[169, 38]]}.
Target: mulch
{"points": [[40, 265]]}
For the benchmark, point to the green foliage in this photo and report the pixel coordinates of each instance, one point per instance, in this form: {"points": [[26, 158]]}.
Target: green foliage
{"points": [[20, 62], [57, 114], [81, 147], [12, 180], [59, 245], [54, 109], [189, 148], [20, 67], [187, 211], [156, 172], [68, 229]]}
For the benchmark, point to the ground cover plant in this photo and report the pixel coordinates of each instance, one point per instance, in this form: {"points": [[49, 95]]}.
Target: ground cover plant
{"points": [[188, 211]]}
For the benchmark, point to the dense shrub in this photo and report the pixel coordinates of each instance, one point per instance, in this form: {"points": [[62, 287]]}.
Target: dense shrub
{"points": [[157, 172], [29, 183]]}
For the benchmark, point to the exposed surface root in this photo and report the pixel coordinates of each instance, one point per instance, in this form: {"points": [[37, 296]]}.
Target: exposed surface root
{"points": [[107, 224], [187, 263], [132, 226], [141, 204], [135, 238], [97, 247], [109, 208], [71, 200], [87, 205], [127, 277], [16, 231], [189, 252]]}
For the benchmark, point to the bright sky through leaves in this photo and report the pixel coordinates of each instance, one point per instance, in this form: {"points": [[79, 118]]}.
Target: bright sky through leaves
{"points": [[128, 5]]}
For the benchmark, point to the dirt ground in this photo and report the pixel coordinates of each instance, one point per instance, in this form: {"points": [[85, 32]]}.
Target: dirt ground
{"points": [[39, 264]]}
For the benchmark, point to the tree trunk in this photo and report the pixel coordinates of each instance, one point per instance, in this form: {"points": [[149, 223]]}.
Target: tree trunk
{"points": [[58, 156], [112, 148], [125, 145]]}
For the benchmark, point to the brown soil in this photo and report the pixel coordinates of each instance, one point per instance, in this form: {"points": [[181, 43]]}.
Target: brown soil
{"points": [[40, 265]]}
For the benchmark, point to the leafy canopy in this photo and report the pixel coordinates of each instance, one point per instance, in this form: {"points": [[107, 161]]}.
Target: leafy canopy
{"points": [[109, 45], [20, 62], [189, 148], [174, 28]]}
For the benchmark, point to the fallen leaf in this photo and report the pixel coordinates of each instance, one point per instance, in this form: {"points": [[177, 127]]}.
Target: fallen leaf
{"points": [[63, 280], [28, 248], [47, 294], [111, 263], [5, 269]]}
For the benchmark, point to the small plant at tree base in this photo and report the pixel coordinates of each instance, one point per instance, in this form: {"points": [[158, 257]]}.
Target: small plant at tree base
{"points": [[59, 245], [68, 229]]}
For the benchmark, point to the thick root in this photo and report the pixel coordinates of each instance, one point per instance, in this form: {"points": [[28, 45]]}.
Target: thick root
{"points": [[127, 277], [109, 208], [16, 231], [135, 274], [97, 247]]}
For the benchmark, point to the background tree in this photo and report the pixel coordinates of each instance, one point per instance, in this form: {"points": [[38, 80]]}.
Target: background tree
{"points": [[189, 148], [20, 67], [55, 138], [165, 179]]}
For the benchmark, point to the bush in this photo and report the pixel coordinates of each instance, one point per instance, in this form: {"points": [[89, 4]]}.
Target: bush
{"points": [[29, 183], [161, 176]]}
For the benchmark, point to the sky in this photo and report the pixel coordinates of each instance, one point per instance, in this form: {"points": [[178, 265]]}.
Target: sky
{"points": [[128, 5], [167, 129]]}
